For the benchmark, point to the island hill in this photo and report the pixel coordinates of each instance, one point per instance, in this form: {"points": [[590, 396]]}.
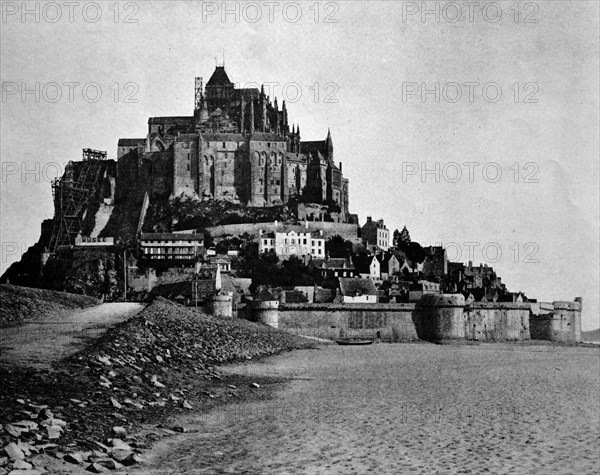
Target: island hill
{"points": [[229, 207]]}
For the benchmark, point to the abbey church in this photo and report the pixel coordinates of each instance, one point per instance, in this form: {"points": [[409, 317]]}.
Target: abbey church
{"points": [[238, 146]]}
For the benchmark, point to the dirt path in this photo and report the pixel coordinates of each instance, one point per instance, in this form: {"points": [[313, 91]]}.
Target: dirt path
{"points": [[40, 343], [414, 408]]}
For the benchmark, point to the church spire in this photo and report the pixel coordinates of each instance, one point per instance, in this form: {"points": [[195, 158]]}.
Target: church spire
{"points": [[251, 116]]}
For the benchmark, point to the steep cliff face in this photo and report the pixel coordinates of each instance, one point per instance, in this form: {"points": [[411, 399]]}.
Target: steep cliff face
{"points": [[40, 268]]}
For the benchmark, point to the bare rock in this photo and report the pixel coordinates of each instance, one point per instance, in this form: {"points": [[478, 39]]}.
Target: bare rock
{"points": [[75, 458], [96, 468], [22, 465], [120, 431], [14, 452]]}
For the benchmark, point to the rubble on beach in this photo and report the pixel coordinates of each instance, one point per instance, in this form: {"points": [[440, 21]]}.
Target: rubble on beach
{"points": [[86, 410]]}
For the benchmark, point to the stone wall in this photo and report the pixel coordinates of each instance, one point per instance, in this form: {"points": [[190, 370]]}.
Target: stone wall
{"points": [[559, 321], [347, 231], [390, 322], [140, 280], [435, 318]]}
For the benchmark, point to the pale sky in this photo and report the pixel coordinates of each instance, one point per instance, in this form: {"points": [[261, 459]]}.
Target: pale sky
{"points": [[543, 60]]}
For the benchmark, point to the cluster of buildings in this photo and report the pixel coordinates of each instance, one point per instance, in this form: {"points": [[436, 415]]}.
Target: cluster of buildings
{"points": [[239, 146]]}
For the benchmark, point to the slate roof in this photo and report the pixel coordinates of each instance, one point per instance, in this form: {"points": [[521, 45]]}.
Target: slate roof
{"points": [[354, 286], [171, 237], [313, 146], [362, 263], [216, 137], [266, 137], [130, 142], [179, 119], [264, 295], [335, 263], [219, 77]]}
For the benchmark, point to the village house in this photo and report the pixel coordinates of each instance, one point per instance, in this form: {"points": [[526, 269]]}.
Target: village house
{"points": [[292, 243], [85, 241], [171, 246], [422, 287], [355, 290], [367, 266], [333, 267], [375, 234]]}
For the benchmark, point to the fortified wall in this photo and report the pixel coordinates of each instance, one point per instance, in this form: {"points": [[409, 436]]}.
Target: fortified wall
{"points": [[556, 321], [347, 231], [435, 318]]}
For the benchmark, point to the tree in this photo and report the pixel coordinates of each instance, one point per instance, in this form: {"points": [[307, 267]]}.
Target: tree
{"points": [[336, 246], [404, 239], [396, 238], [415, 254]]}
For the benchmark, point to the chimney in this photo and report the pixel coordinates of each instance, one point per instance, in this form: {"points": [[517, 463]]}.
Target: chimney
{"points": [[369, 219], [340, 166]]}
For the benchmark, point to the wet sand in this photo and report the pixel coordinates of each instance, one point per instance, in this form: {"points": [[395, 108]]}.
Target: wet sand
{"points": [[39, 343], [404, 408]]}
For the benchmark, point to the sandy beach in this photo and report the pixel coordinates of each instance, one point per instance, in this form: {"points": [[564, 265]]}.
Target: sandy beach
{"points": [[414, 408]]}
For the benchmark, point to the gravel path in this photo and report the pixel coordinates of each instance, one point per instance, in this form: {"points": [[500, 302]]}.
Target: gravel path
{"points": [[40, 343], [415, 408]]}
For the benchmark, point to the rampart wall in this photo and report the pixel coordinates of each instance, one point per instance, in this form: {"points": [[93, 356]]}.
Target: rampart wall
{"points": [[435, 318], [347, 231], [558, 321]]}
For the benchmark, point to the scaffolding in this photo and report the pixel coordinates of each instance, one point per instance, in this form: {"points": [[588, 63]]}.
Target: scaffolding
{"points": [[71, 195]]}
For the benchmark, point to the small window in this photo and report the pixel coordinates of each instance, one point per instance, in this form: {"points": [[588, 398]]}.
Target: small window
{"points": [[224, 145]]}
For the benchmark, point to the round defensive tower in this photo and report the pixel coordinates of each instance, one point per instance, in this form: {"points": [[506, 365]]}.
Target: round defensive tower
{"points": [[441, 317], [222, 306], [267, 312], [566, 321]]}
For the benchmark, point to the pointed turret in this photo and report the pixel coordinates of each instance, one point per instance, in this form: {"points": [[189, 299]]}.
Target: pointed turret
{"points": [[329, 146], [204, 112], [298, 139], [251, 117], [242, 114]]}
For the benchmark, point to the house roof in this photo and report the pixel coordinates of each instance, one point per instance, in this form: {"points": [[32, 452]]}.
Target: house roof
{"points": [[178, 119], [219, 77], [215, 137], [313, 146], [335, 263], [362, 263], [130, 142], [351, 287], [171, 237], [265, 136], [264, 295]]}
